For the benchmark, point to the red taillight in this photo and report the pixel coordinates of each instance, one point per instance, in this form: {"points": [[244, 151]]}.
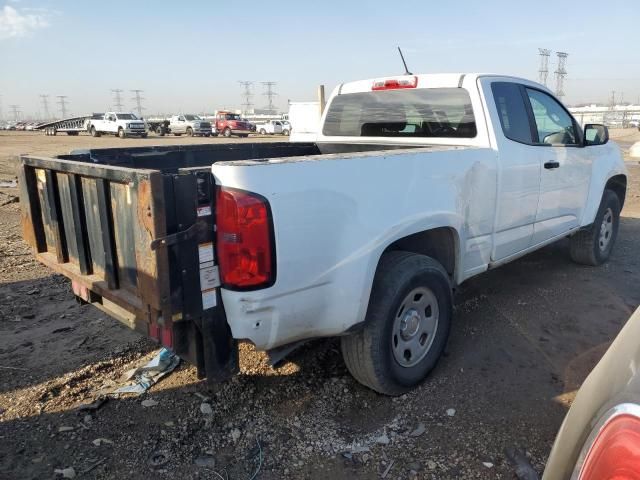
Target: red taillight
{"points": [[615, 454], [395, 83], [244, 239]]}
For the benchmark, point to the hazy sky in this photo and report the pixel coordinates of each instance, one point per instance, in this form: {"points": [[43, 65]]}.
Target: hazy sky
{"points": [[189, 56]]}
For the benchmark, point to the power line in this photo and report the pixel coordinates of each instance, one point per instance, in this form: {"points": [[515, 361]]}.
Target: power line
{"points": [[544, 65], [247, 95], [15, 109], [561, 73], [45, 106], [117, 97], [62, 101], [138, 99], [270, 94]]}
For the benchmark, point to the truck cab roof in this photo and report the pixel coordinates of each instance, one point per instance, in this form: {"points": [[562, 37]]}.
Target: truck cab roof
{"points": [[428, 80]]}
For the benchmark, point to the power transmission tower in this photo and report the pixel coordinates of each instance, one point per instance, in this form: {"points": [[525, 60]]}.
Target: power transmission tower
{"points": [[544, 65], [62, 101], [247, 95], [269, 93], [15, 109], [138, 99], [45, 106], [117, 99], [612, 101], [561, 73]]}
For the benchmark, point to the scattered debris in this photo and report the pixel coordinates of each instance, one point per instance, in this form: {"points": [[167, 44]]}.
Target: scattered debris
{"points": [[347, 455], [66, 429], [8, 184], [158, 459], [235, 435], [487, 464], [524, 470], [66, 472], [149, 403], [451, 412], [383, 439], [13, 368], [95, 405], [144, 377], [33, 291], [62, 330], [206, 461], [206, 409], [91, 467], [102, 441], [260, 459], [387, 470], [419, 430], [359, 449]]}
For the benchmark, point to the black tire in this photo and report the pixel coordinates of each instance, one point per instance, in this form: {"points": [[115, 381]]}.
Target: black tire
{"points": [[143, 135], [122, 133], [368, 353], [263, 131], [593, 246], [189, 132], [161, 131], [285, 132], [227, 132]]}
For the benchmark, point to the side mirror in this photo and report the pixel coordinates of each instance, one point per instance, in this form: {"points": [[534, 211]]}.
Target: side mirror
{"points": [[595, 134]]}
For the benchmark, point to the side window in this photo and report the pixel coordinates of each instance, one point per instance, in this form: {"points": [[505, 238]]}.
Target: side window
{"points": [[555, 126], [512, 111]]}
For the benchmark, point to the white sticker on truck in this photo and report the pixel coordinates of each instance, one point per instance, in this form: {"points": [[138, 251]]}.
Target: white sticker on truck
{"points": [[205, 252], [204, 211], [209, 277], [209, 299]]}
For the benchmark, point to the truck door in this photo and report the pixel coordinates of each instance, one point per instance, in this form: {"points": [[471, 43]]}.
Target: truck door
{"points": [[565, 166], [519, 167]]}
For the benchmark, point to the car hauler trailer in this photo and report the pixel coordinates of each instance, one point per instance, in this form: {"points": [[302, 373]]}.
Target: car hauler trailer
{"points": [[70, 126]]}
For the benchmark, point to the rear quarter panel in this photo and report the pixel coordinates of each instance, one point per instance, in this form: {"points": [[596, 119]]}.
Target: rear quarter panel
{"points": [[334, 215]]}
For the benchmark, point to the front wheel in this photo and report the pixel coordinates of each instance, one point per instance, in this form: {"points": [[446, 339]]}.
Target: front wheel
{"points": [[227, 132], [263, 131], [406, 327], [189, 132], [593, 246], [122, 133]]}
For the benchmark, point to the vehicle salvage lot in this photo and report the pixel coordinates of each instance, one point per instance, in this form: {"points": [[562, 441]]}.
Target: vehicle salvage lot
{"points": [[523, 339]]}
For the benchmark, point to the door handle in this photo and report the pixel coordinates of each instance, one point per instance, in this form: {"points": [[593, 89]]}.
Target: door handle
{"points": [[552, 164]]}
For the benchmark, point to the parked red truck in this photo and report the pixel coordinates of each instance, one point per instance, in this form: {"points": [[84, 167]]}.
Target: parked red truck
{"points": [[229, 123]]}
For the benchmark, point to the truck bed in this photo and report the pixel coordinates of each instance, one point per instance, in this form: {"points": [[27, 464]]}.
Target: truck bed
{"points": [[133, 229]]}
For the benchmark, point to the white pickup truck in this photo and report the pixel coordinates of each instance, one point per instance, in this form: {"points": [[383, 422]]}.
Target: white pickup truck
{"points": [[118, 123], [190, 125], [270, 127], [414, 185]]}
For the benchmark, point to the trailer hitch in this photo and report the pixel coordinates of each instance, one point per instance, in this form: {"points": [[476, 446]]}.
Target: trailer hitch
{"points": [[194, 231]]}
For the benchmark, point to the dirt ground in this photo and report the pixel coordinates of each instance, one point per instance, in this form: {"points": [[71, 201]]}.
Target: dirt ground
{"points": [[524, 338]]}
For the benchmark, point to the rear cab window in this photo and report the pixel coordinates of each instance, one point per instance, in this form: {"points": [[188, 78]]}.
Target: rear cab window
{"points": [[419, 113]]}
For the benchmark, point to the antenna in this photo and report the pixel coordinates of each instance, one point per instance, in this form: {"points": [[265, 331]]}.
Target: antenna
{"points": [[117, 97], [247, 95], [561, 73], [406, 69], [16, 111], [45, 106], [62, 101], [544, 65], [269, 93], [138, 99]]}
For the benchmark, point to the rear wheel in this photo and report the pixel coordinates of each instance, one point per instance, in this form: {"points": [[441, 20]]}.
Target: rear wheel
{"points": [[406, 327], [263, 131], [593, 246], [285, 132]]}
